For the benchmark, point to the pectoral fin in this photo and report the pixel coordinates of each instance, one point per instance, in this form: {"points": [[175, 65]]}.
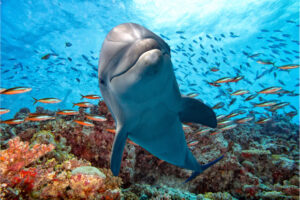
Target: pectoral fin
{"points": [[195, 111], [117, 150]]}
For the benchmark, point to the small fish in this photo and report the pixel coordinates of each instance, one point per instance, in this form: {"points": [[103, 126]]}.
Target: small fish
{"points": [[265, 62], [233, 114], [16, 90], [286, 67], [219, 117], [3, 111], [91, 96], [291, 113], [263, 120], [192, 95], [39, 117], [224, 122], [46, 57], [84, 123], [240, 92], [270, 90], [68, 44], [193, 143], [214, 84], [46, 100], [279, 105], [214, 69], [83, 104], [265, 104], [218, 105], [223, 80], [232, 101], [251, 97], [67, 112], [97, 118], [229, 127], [12, 121], [237, 78], [244, 120], [254, 55], [205, 130], [216, 132], [111, 130], [179, 32]]}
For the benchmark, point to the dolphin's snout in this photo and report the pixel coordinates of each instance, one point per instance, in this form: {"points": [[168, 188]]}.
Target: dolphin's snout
{"points": [[144, 45]]}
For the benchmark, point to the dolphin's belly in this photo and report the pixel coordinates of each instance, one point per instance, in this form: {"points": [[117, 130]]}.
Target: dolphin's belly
{"points": [[159, 131]]}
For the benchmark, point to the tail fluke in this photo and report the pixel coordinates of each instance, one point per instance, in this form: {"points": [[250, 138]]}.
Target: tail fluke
{"points": [[82, 96], [35, 100], [203, 167]]}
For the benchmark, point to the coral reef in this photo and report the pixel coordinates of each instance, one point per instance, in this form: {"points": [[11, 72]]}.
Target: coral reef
{"points": [[72, 162]]}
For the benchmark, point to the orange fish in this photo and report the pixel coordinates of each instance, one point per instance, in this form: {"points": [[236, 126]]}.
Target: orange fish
{"points": [[265, 104], [265, 62], [12, 121], [216, 132], [16, 90], [270, 90], [83, 104], [97, 118], [240, 92], [193, 143], [285, 67], [67, 112], [263, 120], [206, 130], [214, 84], [91, 96], [223, 80], [244, 120], [46, 100], [111, 130], [84, 123], [39, 117], [3, 111]]}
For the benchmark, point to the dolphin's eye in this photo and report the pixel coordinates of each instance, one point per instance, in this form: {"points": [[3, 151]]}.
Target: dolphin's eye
{"points": [[102, 82]]}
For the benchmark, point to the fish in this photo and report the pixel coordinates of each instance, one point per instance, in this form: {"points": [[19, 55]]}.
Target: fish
{"points": [[147, 56], [214, 69], [265, 104], [68, 44], [84, 123], [278, 105], [46, 100], [203, 131], [233, 114], [254, 55], [192, 95], [218, 105], [97, 118], [39, 117], [270, 90], [263, 120], [83, 104], [90, 96], [46, 57], [265, 62], [12, 121], [240, 92], [223, 80], [228, 127], [224, 122], [290, 66], [111, 130], [244, 120], [237, 78], [16, 90], [193, 143], [67, 112], [3, 111]]}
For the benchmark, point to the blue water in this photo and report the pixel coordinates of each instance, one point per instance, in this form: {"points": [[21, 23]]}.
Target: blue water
{"points": [[32, 29]]}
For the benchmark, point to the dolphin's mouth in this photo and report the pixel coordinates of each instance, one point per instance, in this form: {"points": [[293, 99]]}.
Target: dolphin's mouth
{"points": [[136, 58]]}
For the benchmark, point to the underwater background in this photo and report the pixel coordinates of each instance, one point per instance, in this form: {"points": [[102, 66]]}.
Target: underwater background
{"points": [[239, 57]]}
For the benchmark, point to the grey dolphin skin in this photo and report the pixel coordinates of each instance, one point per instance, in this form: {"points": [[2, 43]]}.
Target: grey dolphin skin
{"points": [[138, 85]]}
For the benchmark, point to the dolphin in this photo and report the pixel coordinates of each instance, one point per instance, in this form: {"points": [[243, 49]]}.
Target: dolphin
{"points": [[138, 84]]}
